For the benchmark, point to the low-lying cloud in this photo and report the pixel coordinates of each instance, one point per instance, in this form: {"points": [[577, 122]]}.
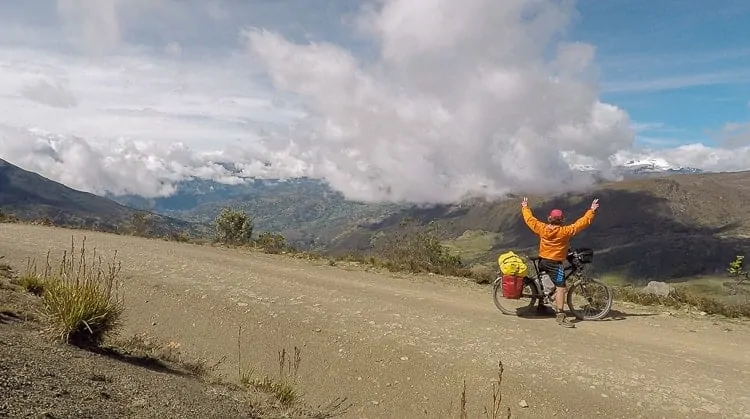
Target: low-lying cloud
{"points": [[429, 102], [460, 99]]}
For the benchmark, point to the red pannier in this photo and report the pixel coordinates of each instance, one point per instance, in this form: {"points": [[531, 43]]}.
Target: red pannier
{"points": [[512, 286]]}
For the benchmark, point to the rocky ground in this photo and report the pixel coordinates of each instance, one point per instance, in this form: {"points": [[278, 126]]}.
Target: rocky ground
{"points": [[40, 378], [395, 345]]}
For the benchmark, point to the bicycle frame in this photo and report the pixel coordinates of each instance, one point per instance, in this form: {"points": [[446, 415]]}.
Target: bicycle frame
{"points": [[569, 270], [573, 267]]}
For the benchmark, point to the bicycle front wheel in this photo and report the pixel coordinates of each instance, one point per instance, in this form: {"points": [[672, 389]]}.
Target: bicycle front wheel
{"points": [[516, 306], [592, 296]]}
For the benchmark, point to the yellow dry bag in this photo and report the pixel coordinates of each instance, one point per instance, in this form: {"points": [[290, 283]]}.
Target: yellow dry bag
{"points": [[512, 264]]}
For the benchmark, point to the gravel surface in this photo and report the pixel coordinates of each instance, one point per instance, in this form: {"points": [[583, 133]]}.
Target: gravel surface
{"points": [[399, 346], [42, 379]]}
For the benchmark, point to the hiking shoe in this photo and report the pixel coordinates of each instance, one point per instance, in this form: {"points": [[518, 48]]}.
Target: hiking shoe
{"points": [[563, 321]]}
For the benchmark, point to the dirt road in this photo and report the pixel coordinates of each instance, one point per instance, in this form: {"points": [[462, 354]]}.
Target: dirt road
{"points": [[400, 346]]}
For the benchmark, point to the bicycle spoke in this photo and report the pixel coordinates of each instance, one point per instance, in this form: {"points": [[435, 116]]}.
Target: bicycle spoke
{"points": [[594, 302]]}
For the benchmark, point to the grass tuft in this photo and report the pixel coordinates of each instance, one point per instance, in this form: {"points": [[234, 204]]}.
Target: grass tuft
{"points": [[6, 271], [282, 388], [82, 299], [148, 347], [493, 412], [681, 297], [31, 280]]}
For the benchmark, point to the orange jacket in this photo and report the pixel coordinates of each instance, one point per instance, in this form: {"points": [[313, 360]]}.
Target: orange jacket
{"points": [[554, 240]]}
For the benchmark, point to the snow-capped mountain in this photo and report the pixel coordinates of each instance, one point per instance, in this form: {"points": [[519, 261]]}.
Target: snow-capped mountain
{"points": [[656, 165], [642, 167]]}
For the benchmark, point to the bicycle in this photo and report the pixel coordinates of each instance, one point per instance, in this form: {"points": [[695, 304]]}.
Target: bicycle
{"points": [[577, 260]]}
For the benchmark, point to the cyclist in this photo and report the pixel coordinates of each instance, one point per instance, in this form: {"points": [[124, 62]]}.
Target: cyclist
{"points": [[554, 240]]}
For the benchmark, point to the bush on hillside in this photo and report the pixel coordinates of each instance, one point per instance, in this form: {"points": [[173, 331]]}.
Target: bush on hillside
{"points": [[141, 224], [682, 297], [7, 218], [416, 249], [81, 298], [737, 270], [234, 227], [271, 242]]}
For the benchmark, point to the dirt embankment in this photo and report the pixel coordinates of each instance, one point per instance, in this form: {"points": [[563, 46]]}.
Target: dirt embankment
{"points": [[400, 346], [40, 378]]}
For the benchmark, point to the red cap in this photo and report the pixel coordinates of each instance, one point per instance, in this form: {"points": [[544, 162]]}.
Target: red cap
{"points": [[556, 213]]}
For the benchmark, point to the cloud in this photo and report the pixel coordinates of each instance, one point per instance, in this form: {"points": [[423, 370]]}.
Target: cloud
{"points": [[673, 82], [696, 155], [460, 100], [135, 124], [45, 93], [396, 100], [125, 166], [735, 135]]}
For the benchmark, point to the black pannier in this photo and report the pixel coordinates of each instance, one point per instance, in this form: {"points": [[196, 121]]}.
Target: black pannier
{"points": [[581, 255]]}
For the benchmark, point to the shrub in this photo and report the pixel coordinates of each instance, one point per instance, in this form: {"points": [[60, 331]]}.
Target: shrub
{"points": [[82, 299], [179, 236], [8, 218], [141, 224], [681, 297], [416, 249], [737, 270], [233, 227], [6, 271], [271, 242]]}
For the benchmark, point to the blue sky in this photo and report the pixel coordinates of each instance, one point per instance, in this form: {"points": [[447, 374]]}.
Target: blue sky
{"points": [[681, 63], [417, 100]]}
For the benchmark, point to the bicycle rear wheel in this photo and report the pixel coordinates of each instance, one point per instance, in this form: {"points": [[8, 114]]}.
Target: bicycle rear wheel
{"points": [[518, 306], [593, 297]]}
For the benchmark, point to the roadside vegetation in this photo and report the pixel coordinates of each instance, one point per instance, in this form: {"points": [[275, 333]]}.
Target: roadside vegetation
{"points": [[79, 303], [420, 249], [82, 304]]}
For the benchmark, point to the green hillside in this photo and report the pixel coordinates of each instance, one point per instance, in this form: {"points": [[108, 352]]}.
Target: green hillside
{"points": [[29, 196], [671, 227]]}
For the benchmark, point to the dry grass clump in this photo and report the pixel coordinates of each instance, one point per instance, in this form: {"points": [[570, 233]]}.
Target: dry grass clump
{"points": [[282, 389], [159, 352], [495, 410], [6, 271], [681, 297], [81, 296]]}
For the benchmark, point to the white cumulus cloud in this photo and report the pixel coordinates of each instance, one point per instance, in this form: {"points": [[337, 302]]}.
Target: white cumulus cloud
{"points": [[420, 101], [460, 99]]}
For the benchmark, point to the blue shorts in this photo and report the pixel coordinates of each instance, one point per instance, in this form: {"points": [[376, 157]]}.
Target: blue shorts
{"points": [[555, 271]]}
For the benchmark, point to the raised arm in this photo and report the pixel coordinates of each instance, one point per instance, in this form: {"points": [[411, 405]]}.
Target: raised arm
{"points": [[528, 217], [583, 222]]}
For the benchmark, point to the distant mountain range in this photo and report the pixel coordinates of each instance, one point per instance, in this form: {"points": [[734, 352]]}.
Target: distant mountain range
{"points": [[195, 193], [662, 222], [30, 196], [649, 167], [306, 211]]}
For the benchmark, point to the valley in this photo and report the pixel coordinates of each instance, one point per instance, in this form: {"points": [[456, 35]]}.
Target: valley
{"points": [[649, 227], [663, 225]]}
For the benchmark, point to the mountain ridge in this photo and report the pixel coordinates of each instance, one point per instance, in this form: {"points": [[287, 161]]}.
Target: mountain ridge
{"points": [[669, 227], [31, 196]]}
